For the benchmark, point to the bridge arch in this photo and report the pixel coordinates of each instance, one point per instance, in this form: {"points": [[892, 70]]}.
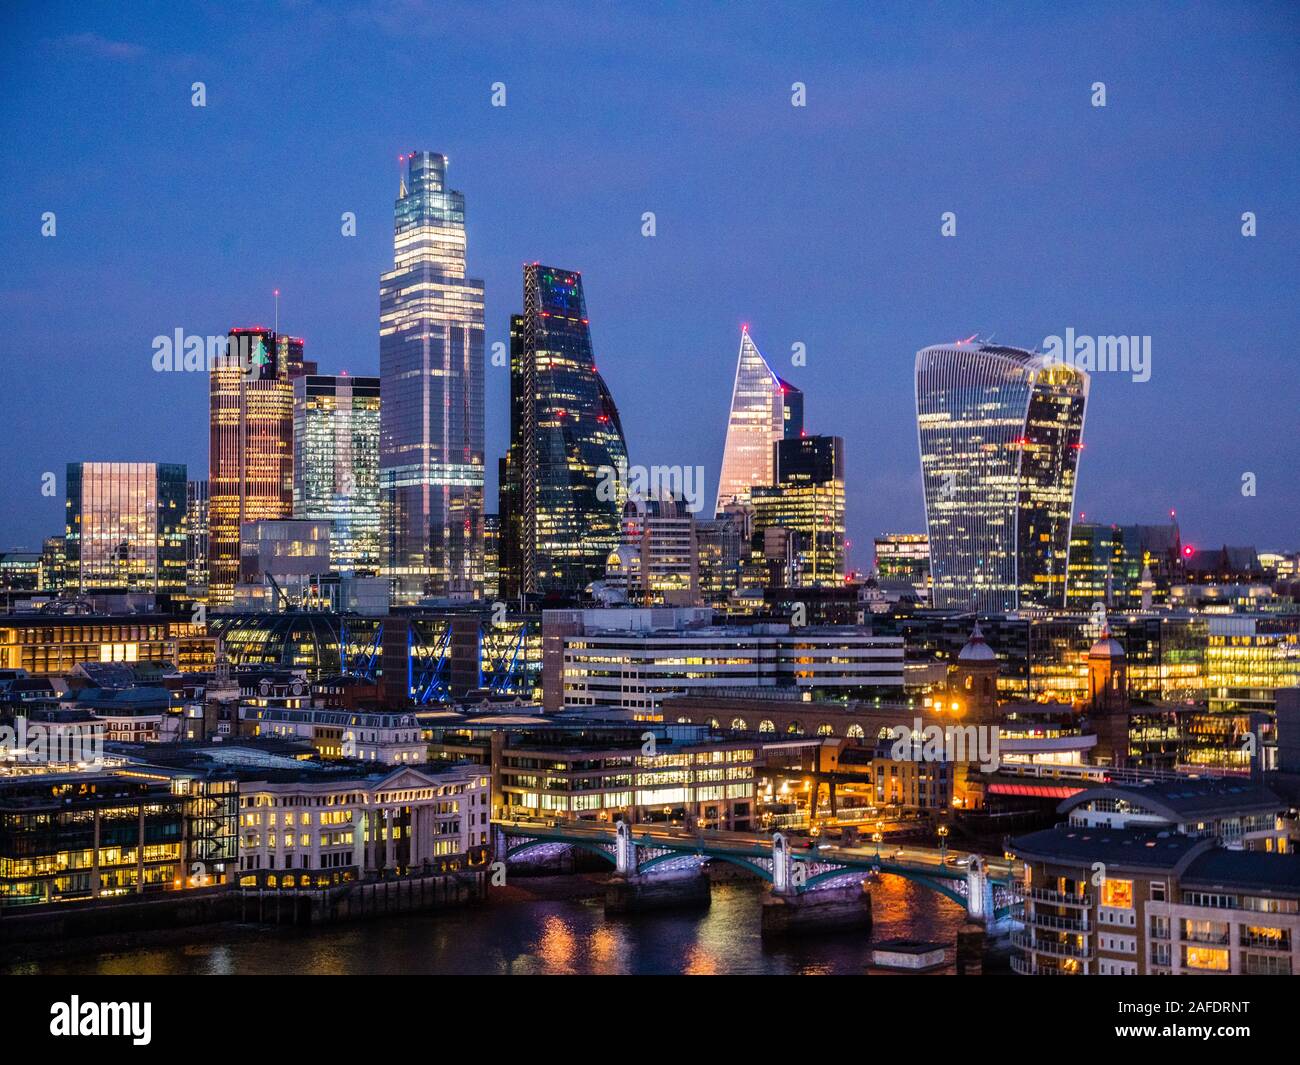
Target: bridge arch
{"points": [[535, 844], [948, 889]]}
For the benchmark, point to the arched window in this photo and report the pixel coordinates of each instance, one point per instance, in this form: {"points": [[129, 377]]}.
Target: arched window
{"points": [[766, 726], [713, 723], [683, 720], [795, 728], [824, 729], [738, 724], [854, 732]]}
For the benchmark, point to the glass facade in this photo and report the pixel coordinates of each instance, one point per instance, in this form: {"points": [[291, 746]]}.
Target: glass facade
{"points": [[125, 528], [250, 446], [1000, 433], [336, 465], [764, 410], [1107, 564], [559, 512], [196, 539], [808, 500], [431, 366]]}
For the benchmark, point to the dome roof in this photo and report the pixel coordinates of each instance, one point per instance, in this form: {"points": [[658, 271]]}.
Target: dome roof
{"points": [[976, 650], [1106, 646]]}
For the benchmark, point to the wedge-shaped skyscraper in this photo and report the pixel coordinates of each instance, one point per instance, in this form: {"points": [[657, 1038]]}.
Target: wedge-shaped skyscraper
{"points": [[1000, 433], [562, 481], [431, 371], [764, 410]]}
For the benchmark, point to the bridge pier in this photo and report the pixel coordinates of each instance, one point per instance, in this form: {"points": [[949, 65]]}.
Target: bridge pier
{"points": [[823, 910], [789, 908], [631, 891], [639, 893]]}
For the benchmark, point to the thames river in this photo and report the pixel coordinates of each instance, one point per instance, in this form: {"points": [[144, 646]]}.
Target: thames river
{"points": [[547, 926]]}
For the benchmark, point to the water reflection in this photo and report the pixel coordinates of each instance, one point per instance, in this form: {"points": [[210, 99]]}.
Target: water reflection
{"points": [[528, 935]]}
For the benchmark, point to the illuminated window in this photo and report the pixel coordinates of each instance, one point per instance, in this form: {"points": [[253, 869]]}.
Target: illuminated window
{"points": [[1215, 959], [1117, 893]]}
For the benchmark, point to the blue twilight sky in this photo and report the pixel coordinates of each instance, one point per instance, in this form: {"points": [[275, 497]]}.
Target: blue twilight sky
{"points": [[818, 225]]}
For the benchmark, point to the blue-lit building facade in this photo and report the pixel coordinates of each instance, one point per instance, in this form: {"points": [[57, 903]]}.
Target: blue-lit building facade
{"points": [[419, 656], [1000, 430]]}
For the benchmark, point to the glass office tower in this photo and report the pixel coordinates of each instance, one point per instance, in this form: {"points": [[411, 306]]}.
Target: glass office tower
{"points": [[764, 409], [562, 487], [336, 465], [196, 539], [431, 366], [250, 445], [807, 500], [126, 527], [1000, 432]]}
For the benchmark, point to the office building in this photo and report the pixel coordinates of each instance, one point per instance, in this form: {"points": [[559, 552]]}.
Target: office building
{"points": [[563, 481], [625, 661], [599, 772], [904, 558], [1126, 567], [336, 465], [807, 501], [657, 562], [1000, 433], [125, 528], [250, 449], [764, 410], [318, 829], [431, 369], [196, 539]]}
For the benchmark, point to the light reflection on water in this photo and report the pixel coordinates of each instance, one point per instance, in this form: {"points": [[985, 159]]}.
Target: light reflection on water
{"points": [[535, 936]]}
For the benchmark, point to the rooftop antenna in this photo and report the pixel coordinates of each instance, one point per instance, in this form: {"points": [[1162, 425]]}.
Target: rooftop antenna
{"points": [[277, 312]]}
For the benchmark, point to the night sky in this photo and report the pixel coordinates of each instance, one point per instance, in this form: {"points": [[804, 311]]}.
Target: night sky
{"points": [[817, 225]]}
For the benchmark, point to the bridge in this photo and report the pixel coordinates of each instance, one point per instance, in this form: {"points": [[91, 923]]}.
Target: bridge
{"points": [[986, 887]]}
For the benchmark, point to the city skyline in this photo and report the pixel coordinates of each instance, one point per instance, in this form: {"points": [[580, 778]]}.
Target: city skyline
{"points": [[1026, 269]]}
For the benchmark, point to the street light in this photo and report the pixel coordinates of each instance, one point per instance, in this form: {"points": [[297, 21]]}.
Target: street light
{"points": [[943, 841], [877, 837]]}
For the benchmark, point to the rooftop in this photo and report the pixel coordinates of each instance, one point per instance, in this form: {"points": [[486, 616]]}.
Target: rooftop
{"points": [[1119, 847]]}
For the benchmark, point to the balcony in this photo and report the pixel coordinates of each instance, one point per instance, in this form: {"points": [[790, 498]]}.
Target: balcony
{"points": [[1027, 968], [1265, 942], [1052, 948], [1058, 924], [1060, 898], [1213, 939]]}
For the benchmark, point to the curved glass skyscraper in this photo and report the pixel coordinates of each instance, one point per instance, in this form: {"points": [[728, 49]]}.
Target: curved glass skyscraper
{"points": [[431, 370], [764, 410], [1000, 432], [563, 479]]}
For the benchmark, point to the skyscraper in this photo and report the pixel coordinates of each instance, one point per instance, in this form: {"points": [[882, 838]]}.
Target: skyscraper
{"points": [[431, 366], [764, 409], [126, 527], [1000, 432], [250, 448], [808, 501], [336, 465], [561, 480], [196, 539]]}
